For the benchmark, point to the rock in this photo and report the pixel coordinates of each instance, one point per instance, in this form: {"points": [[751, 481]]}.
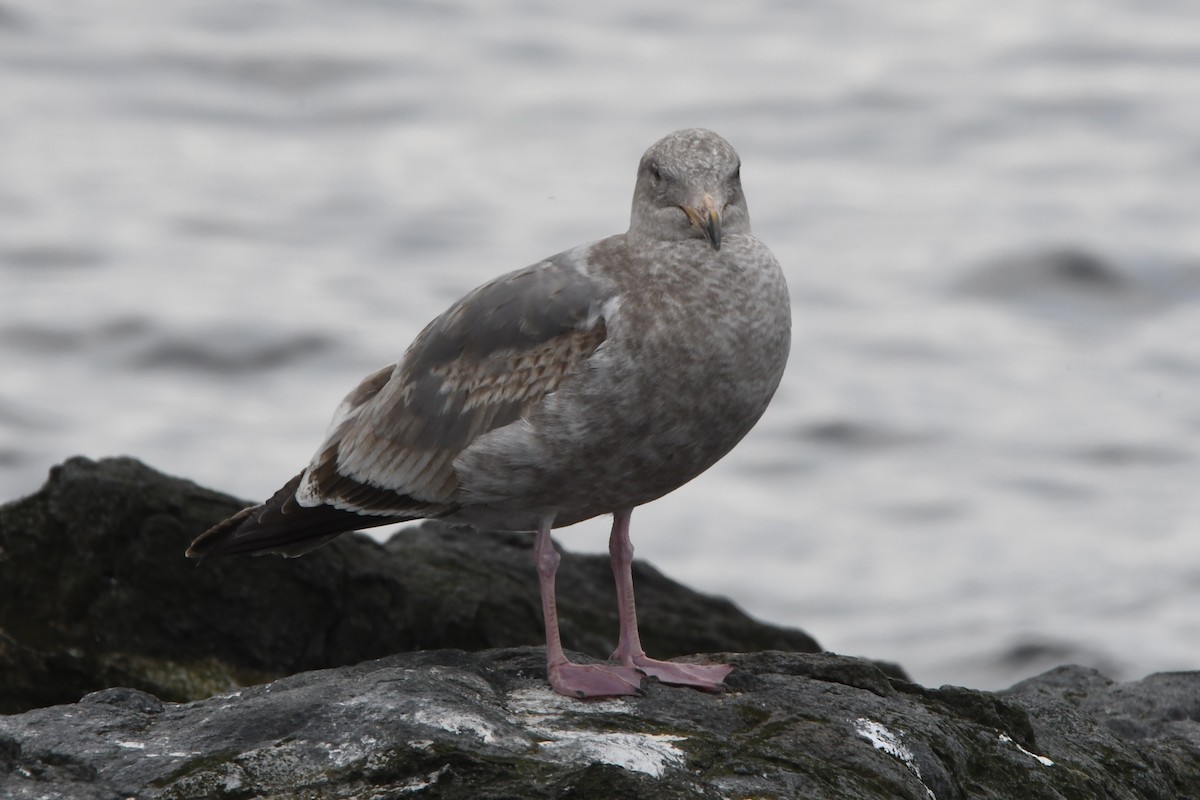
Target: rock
{"points": [[452, 724], [97, 594]]}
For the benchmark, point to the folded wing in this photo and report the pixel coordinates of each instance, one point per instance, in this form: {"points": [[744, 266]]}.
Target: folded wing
{"points": [[390, 450]]}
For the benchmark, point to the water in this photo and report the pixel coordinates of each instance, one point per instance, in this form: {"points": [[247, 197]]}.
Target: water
{"points": [[216, 216]]}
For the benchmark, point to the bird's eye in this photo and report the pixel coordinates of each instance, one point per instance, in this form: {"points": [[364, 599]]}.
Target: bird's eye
{"points": [[654, 173]]}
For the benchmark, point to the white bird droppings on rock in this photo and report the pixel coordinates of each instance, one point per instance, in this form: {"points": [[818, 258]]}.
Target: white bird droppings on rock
{"points": [[648, 753], [419, 784], [540, 711], [1045, 762], [457, 722], [883, 739]]}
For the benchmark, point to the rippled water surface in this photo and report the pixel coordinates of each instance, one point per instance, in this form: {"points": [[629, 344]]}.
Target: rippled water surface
{"points": [[216, 216]]}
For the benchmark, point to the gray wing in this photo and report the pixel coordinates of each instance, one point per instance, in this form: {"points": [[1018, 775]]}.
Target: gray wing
{"points": [[389, 455], [480, 366]]}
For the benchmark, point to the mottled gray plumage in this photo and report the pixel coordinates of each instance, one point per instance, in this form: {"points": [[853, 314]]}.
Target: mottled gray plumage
{"points": [[595, 381]]}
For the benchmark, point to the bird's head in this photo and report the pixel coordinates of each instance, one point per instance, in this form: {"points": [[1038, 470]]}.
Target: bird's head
{"points": [[689, 187]]}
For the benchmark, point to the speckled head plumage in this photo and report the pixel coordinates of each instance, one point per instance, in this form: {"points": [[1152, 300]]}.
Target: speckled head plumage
{"points": [[689, 187]]}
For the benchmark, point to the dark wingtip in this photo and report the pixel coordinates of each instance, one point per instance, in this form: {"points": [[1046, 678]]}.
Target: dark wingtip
{"points": [[282, 526], [214, 541]]}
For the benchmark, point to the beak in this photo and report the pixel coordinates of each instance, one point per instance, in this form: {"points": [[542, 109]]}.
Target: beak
{"points": [[707, 219]]}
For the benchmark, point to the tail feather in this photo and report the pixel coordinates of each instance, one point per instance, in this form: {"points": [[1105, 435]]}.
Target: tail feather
{"points": [[282, 526]]}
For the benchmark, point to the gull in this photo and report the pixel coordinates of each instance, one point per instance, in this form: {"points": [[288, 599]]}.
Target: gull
{"points": [[590, 383]]}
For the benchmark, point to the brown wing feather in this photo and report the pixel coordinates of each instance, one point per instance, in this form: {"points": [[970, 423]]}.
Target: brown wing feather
{"points": [[404, 448], [480, 366], [390, 454]]}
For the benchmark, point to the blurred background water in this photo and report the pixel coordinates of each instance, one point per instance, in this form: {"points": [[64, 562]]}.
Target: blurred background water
{"points": [[216, 216]]}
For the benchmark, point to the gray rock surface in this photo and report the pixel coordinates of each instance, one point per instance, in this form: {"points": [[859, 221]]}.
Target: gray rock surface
{"points": [[451, 724], [97, 593]]}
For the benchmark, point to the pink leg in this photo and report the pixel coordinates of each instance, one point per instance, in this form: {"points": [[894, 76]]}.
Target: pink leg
{"points": [[629, 647], [573, 680]]}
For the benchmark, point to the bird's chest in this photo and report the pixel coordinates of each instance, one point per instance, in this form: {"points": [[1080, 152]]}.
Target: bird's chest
{"points": [[693, 367], [706, 325]]}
